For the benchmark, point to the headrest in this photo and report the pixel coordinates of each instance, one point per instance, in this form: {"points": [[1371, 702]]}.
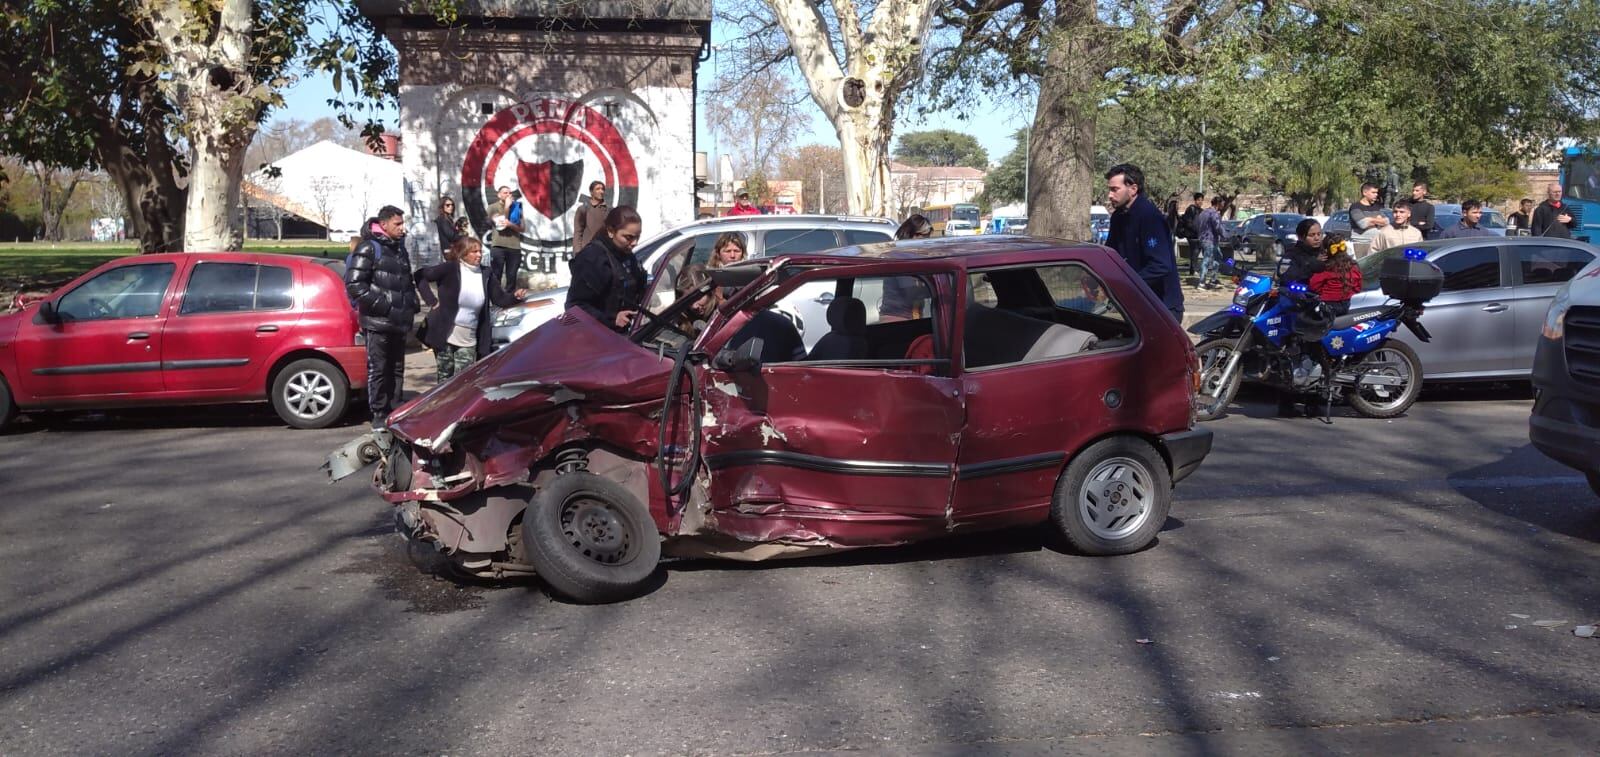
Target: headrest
{"points": [[847, 315]]}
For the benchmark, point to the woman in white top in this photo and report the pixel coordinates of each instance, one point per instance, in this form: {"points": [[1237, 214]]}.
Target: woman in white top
{"points": [[458, 327]]}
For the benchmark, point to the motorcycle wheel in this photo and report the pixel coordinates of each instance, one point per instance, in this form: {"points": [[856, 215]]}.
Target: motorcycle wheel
{"points": [[1388, 401], [1209, 404]]}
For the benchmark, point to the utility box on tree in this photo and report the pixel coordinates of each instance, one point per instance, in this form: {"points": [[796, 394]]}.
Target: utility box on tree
{"points": [[547, 98]]}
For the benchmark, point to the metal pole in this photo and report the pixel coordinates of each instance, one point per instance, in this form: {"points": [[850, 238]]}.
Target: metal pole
{"points": [[1027, 168], [1202, 157], [822, 188]]}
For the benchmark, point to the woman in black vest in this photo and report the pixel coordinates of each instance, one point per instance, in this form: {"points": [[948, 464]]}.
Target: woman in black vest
{"points": [[458, 329], [607, 280]]}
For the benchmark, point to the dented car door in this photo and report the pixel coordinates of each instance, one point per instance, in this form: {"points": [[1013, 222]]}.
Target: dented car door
{"points": [[839, 449]]}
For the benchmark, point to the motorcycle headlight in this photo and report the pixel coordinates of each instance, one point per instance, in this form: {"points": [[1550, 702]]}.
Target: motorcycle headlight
{"points": [[509, 317], [1555, 318], [1241, 296]]}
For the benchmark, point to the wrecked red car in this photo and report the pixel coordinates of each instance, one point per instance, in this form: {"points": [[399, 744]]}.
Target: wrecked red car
{"points": [[963, 384]]}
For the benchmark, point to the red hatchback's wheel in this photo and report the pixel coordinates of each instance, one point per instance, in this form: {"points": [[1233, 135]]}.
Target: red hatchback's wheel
{"points": [[589, 539], [1113, 498], [310, 393], [8, 410]]}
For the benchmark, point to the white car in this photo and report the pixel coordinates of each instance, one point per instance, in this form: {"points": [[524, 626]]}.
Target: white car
{"points": [[959, 228], [763, 235]]}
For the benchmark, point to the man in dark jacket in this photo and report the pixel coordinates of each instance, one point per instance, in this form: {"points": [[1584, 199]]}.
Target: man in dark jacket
{"points": [[1422, 211], [379, 282], [1471, 213], [1553, 218], [1140, 234], [1189, 229]]}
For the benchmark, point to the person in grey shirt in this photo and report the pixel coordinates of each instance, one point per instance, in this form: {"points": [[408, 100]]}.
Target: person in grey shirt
{"points": [[1366, 216]]}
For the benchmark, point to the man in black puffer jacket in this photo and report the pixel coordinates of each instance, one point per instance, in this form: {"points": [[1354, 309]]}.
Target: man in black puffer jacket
{"points": [[379, 283]]}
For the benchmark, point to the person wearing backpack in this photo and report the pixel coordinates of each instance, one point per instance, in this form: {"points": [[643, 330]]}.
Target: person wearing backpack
{"points": [[379, 281], [1189, 229]]}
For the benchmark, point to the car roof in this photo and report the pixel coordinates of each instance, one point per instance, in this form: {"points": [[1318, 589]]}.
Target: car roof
{"points": [[805, 220], [973, 250], [1441, 245], [225, 257]]}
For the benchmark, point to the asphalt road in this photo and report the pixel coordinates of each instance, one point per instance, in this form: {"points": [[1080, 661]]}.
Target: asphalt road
{"points": [[184, 582]]}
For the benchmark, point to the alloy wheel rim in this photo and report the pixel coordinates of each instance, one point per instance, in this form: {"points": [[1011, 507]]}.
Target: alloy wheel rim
{"points": [[309, 394], [1116, 497]]}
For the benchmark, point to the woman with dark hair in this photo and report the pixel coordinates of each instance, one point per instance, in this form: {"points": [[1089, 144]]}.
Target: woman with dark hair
{"points": [[916, 227], [728, 249], [607, 280], [445, 223], [458, 328], [1304, 257], [692, 321]]}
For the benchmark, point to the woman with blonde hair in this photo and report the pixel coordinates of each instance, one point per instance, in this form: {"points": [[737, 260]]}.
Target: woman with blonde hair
{"points": [[729, 249], [458, 328]]}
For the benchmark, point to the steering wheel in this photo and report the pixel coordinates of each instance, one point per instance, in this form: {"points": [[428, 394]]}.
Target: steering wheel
{"points": [[99, 309]]}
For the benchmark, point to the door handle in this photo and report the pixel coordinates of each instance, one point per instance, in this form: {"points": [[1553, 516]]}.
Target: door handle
{"points": [[139, 335], [1494, 307], [826, 298], [267, 329]]}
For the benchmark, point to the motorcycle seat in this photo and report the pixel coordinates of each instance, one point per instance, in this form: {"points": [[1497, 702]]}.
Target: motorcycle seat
{"points": [[1352, 318]]}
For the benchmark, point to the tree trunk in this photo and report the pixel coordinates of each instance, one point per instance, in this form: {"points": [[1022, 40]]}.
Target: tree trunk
{"points": [[864, 147], [211, 215], [1063, 179], [149, 187]]}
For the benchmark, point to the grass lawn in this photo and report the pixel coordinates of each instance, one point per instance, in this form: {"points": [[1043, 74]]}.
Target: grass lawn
{"points": [[43, 266]]}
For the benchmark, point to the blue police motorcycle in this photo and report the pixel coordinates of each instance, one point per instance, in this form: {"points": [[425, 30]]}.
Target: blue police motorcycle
{"points": [[1286, 338]]}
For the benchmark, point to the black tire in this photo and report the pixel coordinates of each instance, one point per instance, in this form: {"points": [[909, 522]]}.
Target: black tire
{"points": [[8, 409], [1205, 410], [1088, 507], [590, 540], [1375, 408], [310, 393]]}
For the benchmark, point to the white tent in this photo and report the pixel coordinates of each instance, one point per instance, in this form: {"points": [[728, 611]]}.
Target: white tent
{"points": [[330, 185]]}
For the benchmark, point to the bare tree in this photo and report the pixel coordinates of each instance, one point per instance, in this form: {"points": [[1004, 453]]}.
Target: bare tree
{"points": [[325, 193], [758, 116], [857, 61], [56, 186], [821, 168]]}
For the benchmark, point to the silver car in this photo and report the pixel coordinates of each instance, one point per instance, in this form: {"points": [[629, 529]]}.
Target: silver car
{"points": [[692, 242], [1486, 322]]}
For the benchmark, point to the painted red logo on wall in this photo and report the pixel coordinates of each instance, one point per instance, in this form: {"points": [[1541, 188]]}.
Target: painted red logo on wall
{"points": [[549, 150]]}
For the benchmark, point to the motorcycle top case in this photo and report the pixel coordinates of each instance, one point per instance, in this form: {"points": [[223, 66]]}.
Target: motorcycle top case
{"points": [[1414, 281]]}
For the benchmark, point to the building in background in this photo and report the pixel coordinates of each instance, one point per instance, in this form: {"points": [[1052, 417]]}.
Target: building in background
{"points": [[912, 187], [324, 191], [547, 97]]}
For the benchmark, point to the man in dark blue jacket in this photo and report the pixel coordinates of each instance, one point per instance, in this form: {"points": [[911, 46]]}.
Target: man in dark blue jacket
{"points": [[1140, 234]]}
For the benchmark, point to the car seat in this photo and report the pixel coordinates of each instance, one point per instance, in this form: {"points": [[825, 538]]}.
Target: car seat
{"points": [[847, 339]]}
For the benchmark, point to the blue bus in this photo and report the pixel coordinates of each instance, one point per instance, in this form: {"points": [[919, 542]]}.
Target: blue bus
{"points": [[1580, 181]]}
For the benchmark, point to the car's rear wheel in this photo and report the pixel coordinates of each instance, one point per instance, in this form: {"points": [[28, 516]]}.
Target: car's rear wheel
{"points": [[8, 409], [1113, 498], [310, 393], [590, 540]]}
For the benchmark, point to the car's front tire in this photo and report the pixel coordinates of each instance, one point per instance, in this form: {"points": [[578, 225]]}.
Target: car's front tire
{"points": [[310, 393], [1113, 498], [590, 539]]}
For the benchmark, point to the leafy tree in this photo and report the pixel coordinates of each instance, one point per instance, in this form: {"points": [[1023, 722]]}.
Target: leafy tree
{"points": [[941, 147], [1460, 177], [1004, 183], [166, 95], [757, 186]]}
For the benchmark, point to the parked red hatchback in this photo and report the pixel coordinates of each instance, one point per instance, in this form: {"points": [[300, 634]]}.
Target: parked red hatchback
{"points": [[186, 329], [964, 384]]}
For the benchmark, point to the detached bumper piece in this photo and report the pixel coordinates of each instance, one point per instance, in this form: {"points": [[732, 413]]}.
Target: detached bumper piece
{"points": [[1186, 450]]}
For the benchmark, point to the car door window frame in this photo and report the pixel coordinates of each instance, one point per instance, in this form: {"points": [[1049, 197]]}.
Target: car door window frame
{"points": [[255, 289], [1501, 272], [1521, 276], [941, 282], [1110, 295], [172, 272]]}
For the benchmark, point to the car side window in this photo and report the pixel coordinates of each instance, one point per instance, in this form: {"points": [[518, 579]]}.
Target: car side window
{"points": [[1475, 268], [857, 236], [783, 241], [130, 291], [237, 288], [880, 322], [1031, 314], [1543, 264]]}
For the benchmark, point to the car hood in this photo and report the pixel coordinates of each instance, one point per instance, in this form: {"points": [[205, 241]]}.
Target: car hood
{"points": [[573, 358]]}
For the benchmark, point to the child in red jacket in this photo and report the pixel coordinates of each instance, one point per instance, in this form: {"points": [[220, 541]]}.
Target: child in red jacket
{"points": [[1342, 279]]}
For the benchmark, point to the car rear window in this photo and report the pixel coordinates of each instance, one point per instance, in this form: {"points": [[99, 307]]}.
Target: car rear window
{"points": [[859, 236], [237, 288], [1549, 264]]}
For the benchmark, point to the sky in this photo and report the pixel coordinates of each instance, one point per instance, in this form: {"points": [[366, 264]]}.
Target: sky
{"points": [[994, 122]]}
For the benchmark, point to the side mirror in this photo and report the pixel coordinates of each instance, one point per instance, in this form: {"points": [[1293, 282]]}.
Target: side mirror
{"points": [[47, 312], [746, 359]]}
